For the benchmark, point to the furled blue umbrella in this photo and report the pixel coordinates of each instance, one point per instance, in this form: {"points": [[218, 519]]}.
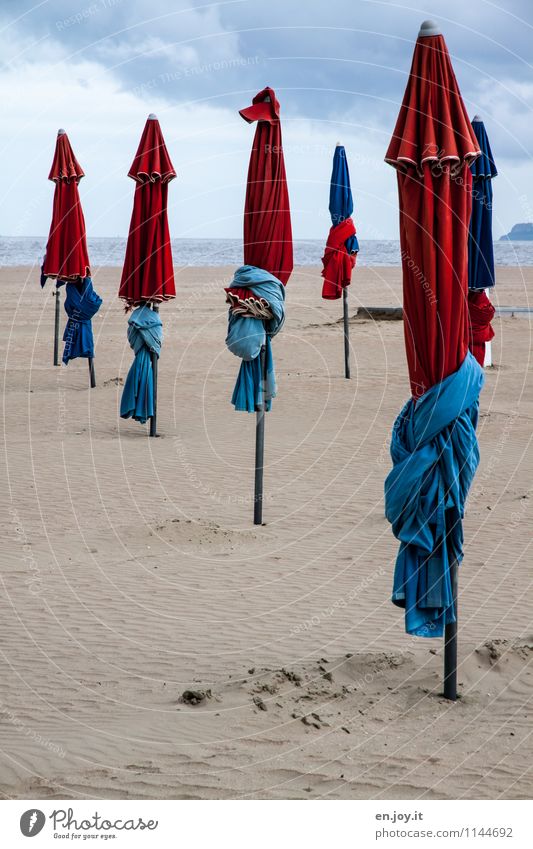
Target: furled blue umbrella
{"points": [[342, 245], [81, 304], [340, 195], [480, 248], [145, 335]]}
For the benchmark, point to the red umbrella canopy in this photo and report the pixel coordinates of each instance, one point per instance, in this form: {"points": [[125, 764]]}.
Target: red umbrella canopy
{"points": [[267, 216], [148, 274], [66, 250], [432, 146]]}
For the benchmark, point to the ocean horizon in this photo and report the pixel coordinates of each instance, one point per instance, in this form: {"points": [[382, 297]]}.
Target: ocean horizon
{"points": [[108, 251]]}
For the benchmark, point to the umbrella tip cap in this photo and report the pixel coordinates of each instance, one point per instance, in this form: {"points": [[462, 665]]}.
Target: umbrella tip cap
{"points": [[476, 118], [152, 116], [428, 28], [339, 144], [61, 132]]}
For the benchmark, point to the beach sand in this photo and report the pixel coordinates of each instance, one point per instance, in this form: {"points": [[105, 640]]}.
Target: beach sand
{"points": [[131, 571]]}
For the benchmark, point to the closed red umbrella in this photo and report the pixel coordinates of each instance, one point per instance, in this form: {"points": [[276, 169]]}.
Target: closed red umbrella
{"points": [[66, 256], [267, 216], [432, 143], [256, 296], [434, 447], [148, 274], [66, 250]]}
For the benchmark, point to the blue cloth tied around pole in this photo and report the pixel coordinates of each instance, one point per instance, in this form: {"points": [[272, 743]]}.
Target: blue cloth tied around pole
{"points": [[435, 454], [145, 335], [247, 335], [81, 304]]}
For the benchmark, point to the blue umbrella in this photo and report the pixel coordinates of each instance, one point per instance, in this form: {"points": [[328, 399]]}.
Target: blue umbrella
{"points": [[340, 195], [480, 247], [341, 209], [145, 335], [81, 304]]}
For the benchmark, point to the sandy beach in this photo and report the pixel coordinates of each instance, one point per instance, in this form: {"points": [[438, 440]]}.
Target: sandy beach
{"points": [[131, 571]]}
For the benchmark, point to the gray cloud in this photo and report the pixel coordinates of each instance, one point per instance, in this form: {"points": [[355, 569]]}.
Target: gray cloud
{"points": [[323, 58], [339, 70]]}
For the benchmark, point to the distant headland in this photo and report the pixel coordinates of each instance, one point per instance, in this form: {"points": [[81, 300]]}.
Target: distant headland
{"points": [[519, 233]]}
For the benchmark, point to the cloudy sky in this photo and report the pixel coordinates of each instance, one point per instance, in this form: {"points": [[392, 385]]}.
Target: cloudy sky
{"points": [[98, 67]]}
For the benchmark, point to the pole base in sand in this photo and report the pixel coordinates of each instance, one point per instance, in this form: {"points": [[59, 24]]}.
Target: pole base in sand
{"points": [[155, 361], [450, 644], [92, 375], [56, 328], [346, 333], [260, 447]]}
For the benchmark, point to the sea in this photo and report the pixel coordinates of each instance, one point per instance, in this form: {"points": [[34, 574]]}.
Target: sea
{"points": [[109, 251]]}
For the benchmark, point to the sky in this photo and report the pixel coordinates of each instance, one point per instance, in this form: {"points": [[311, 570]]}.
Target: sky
{"points": [[98, 67]]}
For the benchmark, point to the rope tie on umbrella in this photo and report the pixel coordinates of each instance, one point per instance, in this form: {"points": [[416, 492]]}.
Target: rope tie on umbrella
{"points": [[256, 314], [435, 455]]}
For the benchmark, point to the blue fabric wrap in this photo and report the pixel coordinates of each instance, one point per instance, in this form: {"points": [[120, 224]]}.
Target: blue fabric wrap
{"points": [[81, 304], [435, 455], [340, 195], [480, 245], [247, 335], [145, 335]]}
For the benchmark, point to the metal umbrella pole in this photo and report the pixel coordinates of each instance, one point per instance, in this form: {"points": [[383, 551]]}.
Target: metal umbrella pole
{"points": [[260, 444], [450, 642], [56, 328], [92, 375], [346, 333], [155, 358], [488, 345]]}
